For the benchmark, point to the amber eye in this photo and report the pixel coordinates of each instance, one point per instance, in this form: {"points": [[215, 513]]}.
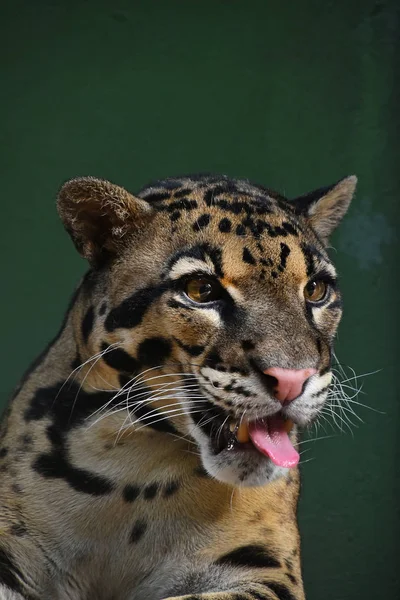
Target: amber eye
{"points": [[315, 290], [202, 290]]}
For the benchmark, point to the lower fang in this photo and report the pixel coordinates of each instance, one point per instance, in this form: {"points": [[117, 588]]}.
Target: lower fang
{"points": [[288, 426], [242, 433]]}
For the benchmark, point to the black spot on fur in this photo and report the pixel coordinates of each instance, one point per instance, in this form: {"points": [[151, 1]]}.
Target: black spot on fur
{"points": [[171, 488], [119, 359], [175, 216], [248, 345], [240, 230], [3, 452], [130, 493], [87, 323], [274, 274], [138, 530], [291, 578], [153, 351], [150, 491], [201, 222], [248, 257], [103, 309], [251, 556], [225, 225]]}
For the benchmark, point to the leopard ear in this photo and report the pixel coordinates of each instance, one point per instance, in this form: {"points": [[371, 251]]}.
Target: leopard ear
{"points": [[99, 216], [324, 208]]}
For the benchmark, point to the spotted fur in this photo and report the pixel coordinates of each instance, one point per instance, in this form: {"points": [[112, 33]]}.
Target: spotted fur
{"points": [[116, 478]]}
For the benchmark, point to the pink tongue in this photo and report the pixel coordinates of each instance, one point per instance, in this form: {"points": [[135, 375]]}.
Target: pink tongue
{"points": [[270, 438]]}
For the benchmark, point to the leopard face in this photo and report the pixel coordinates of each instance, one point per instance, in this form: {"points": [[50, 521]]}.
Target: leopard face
{"points": [[214, 307]]}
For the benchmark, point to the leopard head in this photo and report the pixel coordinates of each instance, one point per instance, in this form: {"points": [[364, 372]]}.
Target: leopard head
{"points": [[214, 306]]}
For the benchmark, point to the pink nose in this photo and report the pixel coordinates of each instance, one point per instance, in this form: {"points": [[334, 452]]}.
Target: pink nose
{"points": [[290, 382]]}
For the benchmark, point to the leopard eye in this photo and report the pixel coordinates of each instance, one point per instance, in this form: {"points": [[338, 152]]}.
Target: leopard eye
{"points": [[202, 290], [315, 290]]}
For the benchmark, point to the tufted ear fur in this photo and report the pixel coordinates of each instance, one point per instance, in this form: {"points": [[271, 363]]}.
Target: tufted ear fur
{"points": [[324, 208], [99, 215]]}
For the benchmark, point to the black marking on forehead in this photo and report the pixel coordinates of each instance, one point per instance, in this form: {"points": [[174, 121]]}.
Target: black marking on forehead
{"points": [[200, 252], [153, 351], [225, 225], [138, 531], [241, 230], [285, 251], [248, 257], [119, 359], [252, 556], [309, 258], [103, 309], [87, 323], [248, 345], [266, 262], [131, 311], [201, 222], [175, 216]]}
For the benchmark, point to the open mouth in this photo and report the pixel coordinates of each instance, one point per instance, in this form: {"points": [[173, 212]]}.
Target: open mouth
{"points": [[269, 436]]}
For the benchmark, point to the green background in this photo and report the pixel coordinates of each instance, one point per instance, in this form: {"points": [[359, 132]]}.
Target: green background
{"points": [[293, 95]]}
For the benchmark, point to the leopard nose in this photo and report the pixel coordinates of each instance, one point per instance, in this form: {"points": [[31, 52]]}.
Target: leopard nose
{"points": [[289, 382]]}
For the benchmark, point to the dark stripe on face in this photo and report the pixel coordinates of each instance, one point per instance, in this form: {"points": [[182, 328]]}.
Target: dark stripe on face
{"points": [[154, 351], [87, 323], [131, 311], [191, 350], [151, 417], [251, 556], [282, 591], [119, 359]]}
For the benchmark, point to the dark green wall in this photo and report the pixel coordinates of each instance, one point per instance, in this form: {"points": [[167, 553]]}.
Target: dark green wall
{"points": [[290, 94]]}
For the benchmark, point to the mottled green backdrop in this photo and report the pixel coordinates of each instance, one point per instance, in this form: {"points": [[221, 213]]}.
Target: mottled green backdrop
{"points": [[291, 94]]}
